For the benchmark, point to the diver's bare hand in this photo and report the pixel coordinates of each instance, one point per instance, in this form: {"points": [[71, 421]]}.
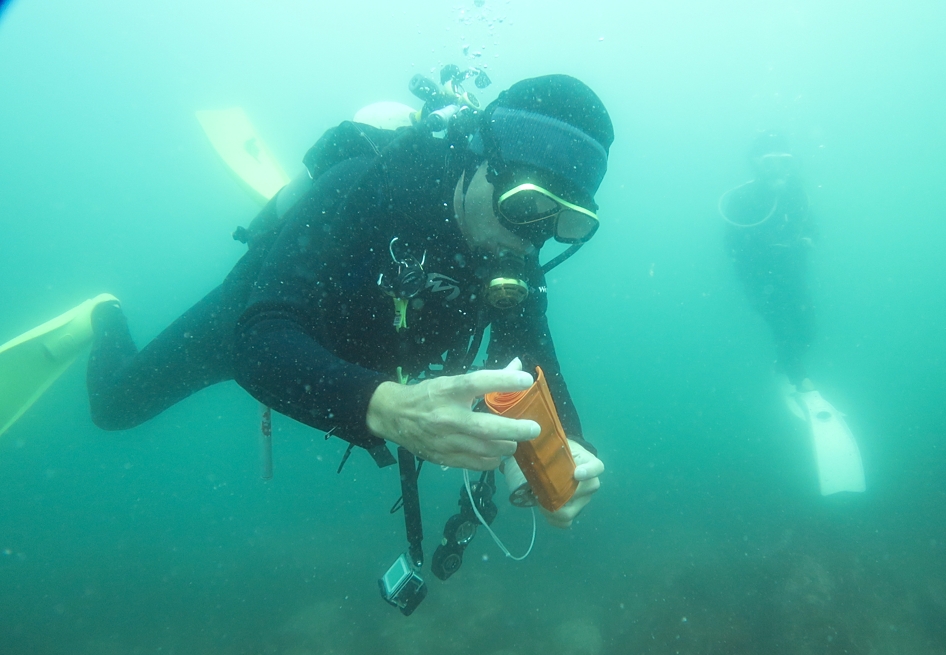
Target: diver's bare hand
{"points": [[587, 469], [434, 419]]}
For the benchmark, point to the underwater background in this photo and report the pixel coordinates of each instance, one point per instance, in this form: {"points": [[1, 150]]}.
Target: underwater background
{"points": [[708, 534]]}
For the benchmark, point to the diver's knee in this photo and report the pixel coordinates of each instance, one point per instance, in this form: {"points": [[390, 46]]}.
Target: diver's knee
{"points": [[106, 418]]}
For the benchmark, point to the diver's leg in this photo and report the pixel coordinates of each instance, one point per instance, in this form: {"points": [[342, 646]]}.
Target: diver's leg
{"points": [[127, 387], [792, 319], [790, 361], [793, 335]]}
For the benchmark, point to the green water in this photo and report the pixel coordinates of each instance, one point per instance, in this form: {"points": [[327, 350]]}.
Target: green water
{"points": [[708, 535]]}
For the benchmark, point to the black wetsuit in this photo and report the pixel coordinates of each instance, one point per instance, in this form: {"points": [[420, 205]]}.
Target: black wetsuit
{"points": [[301, 322], [769, 248]]}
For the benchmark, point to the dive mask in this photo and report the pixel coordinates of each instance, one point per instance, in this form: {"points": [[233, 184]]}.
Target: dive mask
{"points": [[776, 164], [530, 208]]}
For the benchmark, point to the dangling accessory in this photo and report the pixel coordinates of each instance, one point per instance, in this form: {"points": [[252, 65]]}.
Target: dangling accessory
{"points": [[405, 279], [725, 211], [722, 206], [461, 527], [402, 586], [266, 442]]}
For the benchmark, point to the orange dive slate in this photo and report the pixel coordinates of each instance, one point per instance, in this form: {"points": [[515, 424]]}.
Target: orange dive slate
{"points": [[546, 461]]}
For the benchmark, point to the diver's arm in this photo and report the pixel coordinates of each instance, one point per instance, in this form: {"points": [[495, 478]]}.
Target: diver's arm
{"points": [[276, 355], [283, 367]]}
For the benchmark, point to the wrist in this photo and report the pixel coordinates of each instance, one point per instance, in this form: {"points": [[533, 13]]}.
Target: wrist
{"points": [[379, 419]]}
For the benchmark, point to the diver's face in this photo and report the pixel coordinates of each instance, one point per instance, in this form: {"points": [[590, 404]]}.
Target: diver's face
{"points": [[478, 222], [775, 169]]}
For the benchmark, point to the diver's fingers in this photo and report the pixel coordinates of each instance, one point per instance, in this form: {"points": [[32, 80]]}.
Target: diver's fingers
{"points": [[467, 461], [587, 466], [478, 384], [490, 427], [586, 488], [477, 463], [452, 419], [462, 444], [588, 470], [461, 450]]}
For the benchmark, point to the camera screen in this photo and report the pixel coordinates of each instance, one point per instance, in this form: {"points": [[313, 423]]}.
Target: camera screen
{"points": [[396, 575]]}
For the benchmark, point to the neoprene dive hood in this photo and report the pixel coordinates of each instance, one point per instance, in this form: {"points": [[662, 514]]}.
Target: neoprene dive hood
{"points": [[554, 133], [550, 133]]}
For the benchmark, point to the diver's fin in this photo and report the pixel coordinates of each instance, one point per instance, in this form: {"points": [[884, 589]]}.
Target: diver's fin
{"points": [[836, 453], [32, 361], [241, 148]]}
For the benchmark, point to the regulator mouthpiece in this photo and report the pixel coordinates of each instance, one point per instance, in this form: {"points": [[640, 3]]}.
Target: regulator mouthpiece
{"points": [[504, 292], [507, 287]]}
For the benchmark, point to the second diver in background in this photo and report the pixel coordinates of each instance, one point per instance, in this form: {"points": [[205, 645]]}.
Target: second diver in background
{"points": [[768, 238]]}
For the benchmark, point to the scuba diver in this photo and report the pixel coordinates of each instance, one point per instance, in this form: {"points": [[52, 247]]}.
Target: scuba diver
{"points": [[385, 262], [769, 232], [768, 238]]}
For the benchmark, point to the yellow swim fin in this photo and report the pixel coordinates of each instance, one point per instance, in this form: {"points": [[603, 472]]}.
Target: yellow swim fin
{"points": [[32, 361], [241, 148]]}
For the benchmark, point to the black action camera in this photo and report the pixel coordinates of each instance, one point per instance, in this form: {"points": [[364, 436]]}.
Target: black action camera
{"points": [[402, 586]]}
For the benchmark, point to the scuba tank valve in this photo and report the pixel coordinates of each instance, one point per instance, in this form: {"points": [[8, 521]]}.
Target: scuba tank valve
{"points": [[448, 106]]}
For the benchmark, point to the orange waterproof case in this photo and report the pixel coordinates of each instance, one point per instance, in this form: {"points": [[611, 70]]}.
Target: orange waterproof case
{"points": [[546, 461]]}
